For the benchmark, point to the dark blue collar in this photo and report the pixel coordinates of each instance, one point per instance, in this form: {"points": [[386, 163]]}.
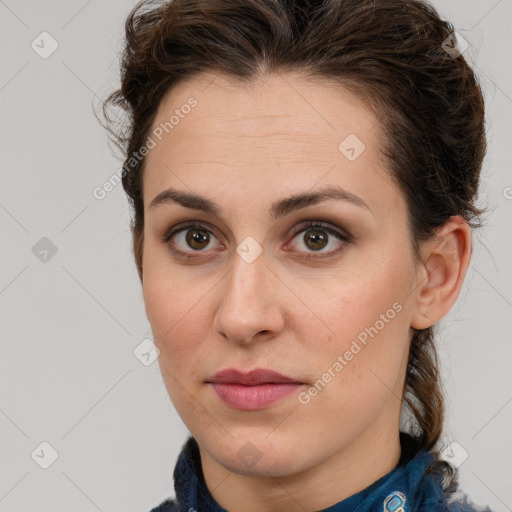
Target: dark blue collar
{"points": [[406, 488]]}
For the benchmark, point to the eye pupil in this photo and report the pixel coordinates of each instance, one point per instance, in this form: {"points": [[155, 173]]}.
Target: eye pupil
{"points": [[317, 238], [196, 236]]}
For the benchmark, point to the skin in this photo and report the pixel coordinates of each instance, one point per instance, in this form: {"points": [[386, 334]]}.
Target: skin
{"points": [[243, 148]]}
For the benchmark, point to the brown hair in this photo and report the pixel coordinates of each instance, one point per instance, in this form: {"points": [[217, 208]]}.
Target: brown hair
{"points": [[388, 52]]}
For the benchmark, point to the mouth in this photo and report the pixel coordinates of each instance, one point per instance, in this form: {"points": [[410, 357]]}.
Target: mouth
{"points": [[252, 390], [251, 378]]}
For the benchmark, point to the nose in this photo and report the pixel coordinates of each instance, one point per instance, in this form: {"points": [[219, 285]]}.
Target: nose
{"points": [[251, 302]]}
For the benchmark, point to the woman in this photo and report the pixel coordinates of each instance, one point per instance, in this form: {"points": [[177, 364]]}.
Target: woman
{"points": [[303, 177]]}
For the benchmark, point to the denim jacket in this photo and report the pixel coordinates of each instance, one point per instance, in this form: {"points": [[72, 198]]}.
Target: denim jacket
{"points": [[407, 488]]}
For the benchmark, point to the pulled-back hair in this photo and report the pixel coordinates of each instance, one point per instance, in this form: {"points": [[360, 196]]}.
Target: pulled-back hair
{"points": [[390, 53]]}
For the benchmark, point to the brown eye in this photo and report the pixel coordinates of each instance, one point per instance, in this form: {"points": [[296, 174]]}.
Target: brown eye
{"points": [[315, 239], [189, 241], [197, 239]]}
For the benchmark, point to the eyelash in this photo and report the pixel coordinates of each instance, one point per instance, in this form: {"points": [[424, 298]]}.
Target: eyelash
{"points": [[306, 227]]}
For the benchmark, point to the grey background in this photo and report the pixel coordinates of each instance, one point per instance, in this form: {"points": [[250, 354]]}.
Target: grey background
{"points": [[70, 324]]}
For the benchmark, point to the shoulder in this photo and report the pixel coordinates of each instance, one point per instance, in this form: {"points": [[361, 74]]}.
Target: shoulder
{"points": [[166, 506], [459, 502]]}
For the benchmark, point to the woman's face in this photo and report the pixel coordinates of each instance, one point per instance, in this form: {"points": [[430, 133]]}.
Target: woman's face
{"points": [[251, 286]]}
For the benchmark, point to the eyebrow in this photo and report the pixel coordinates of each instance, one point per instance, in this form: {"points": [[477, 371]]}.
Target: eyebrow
{"points": [[278, 209]]}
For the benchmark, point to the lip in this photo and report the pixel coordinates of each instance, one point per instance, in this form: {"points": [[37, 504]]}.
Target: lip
{"points": [[250, 378], [252, 390]]}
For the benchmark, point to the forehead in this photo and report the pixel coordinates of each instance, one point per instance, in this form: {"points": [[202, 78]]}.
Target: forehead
{"points": [[280, 129], [279, 104]]}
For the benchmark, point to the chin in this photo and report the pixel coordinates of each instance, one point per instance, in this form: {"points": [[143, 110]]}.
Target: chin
{"points": [[255, 454]]}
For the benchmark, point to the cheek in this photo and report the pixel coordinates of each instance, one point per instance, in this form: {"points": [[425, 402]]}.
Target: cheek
{"points": [[363, 302], [174, 307], [177, 310], [359, 371], [166, 298], [171, 307], [368, 312]]}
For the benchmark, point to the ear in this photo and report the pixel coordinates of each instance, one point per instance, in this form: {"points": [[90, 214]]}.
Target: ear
{"points": [[440, 275]]}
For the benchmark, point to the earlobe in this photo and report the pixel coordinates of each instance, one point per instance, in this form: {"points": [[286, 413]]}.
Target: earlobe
{"points": [[440, 276]]}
